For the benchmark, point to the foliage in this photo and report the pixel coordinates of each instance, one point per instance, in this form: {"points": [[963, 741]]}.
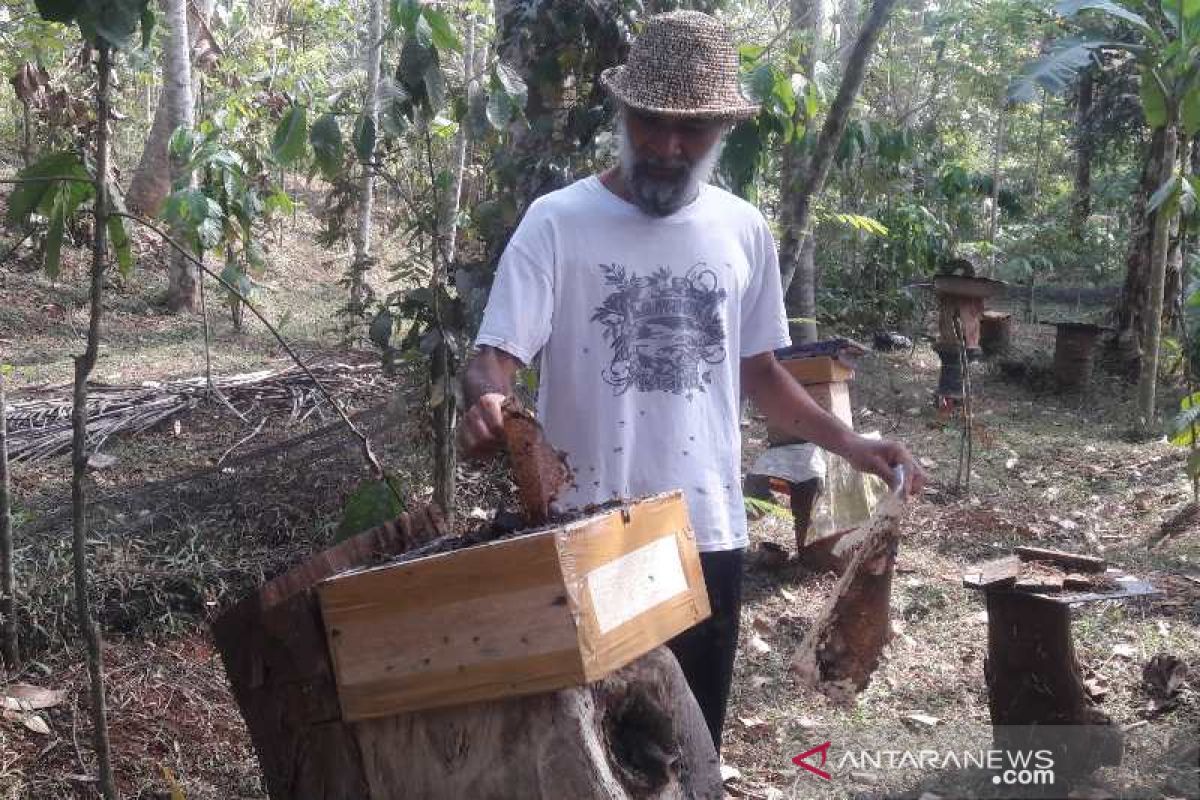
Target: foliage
{"points": [[220, 213], [56, 187]]}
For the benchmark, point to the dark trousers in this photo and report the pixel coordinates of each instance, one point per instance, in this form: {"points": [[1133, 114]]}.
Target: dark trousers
{"points": [[706, 651]]}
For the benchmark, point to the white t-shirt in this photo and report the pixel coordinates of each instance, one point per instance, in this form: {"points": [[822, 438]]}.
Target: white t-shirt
{"points": [[641, 322]]}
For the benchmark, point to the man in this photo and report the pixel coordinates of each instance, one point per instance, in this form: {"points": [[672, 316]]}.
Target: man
{"points": [[654, 300]]}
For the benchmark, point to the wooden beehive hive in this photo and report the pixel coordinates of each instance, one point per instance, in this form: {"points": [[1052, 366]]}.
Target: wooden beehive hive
{"points": [[537, 612]]}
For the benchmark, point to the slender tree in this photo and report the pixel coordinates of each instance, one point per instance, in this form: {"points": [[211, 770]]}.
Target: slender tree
{"points": [[8, 582], [183, 281], [79, 452], [368, 123], [802, 193]]}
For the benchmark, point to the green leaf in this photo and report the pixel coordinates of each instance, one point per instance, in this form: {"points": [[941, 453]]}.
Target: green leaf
{"points": [[1154, 102], [442, 32], [148, 24], [58, 10], [1167, 194], [27, 197], [54, 236], [371, 504], [1055, 71], [183, 144], [1189, 111], [499, 110], [278, 201], [512, 84], [1069, 8], [287, 146], [405, 14], [325, 136], [118, 234], [116, 21], [1180, 428], [364, 139]]}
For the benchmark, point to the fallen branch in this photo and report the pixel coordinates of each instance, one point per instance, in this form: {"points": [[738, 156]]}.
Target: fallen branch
{"points": [[39, 423]]}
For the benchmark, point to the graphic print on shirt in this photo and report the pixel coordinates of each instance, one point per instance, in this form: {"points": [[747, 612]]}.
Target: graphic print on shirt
{"points": [[664, 330]]}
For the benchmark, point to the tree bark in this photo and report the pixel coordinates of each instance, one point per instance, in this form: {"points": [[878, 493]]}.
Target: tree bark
{"points": [[817, 169], [79, 456], [796, 247], [461, 145], [1035, 688], [1131, 306], [183, 279], [151, 182], [637, 733], [366, 183], [994, 194], [1081, 207], [1148, 378], [8, 582]]}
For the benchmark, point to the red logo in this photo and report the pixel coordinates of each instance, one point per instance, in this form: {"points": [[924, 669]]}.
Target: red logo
{"points": [[823, 749]]}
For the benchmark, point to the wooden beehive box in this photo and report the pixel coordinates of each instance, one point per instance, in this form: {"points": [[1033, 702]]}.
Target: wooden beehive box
{"points": [[537, 612], [826, 379]]}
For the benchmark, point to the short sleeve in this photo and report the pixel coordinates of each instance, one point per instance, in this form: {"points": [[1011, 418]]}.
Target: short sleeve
{"points": [[520, 306], [763, 317]]}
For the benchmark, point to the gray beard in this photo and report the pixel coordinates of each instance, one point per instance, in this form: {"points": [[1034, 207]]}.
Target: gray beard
{"points": [[661, 197]]}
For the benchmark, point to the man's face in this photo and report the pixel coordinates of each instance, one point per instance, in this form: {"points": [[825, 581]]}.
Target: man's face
{"points": [[665, 159]]}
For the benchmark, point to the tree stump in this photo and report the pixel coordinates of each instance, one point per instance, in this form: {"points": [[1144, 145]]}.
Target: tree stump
{"points": [[1035, 690], [637, 733]]}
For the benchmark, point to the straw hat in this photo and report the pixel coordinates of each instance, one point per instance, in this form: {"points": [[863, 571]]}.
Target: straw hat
{"points": [[682, 65]]}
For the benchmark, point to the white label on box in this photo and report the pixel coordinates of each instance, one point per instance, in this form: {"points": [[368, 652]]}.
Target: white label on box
{"points": [[636, 582]]}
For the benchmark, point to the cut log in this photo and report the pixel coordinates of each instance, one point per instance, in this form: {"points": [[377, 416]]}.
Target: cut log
{"points": [[636, 733], [842, 649], [539, 470], [1036, 692], [993, 574]]}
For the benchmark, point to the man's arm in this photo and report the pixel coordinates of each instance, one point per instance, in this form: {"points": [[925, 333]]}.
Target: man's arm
{"points": [[488, 381], [789, 408]]}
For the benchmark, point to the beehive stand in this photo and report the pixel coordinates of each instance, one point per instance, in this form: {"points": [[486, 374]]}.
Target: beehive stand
{"points": [[635, 733], [1033, 676]]}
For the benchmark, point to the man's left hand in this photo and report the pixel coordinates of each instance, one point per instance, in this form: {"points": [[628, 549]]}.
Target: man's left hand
{"points": [[880, 457]]}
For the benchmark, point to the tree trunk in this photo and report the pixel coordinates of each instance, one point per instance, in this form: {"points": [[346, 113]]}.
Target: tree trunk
{"points": [[797, 247], [1131, 307], [817, 169], [461, 146], [1081, 207], [1035, 687], [183, 279], [1173, 283], [151, 182], [637, 733], [8, 582], [1148, 378], [27, 128], [366, 183], [994, 194], [79, 455]]}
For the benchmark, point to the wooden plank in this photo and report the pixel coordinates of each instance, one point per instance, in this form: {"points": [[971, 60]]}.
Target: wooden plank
{"points": [[993, 574], [513, 616], [492, 680], [820, 369], [1073, 561], [1039, 583]]}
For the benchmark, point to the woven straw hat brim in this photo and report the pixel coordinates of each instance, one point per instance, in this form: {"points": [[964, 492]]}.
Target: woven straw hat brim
{"points": [[733, 110]]}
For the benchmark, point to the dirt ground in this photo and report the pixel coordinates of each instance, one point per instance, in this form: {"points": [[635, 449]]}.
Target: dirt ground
{"points": [[189, 519]]}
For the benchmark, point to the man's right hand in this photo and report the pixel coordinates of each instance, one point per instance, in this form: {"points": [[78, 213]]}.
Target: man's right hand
{"points": [[481, 430]]}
